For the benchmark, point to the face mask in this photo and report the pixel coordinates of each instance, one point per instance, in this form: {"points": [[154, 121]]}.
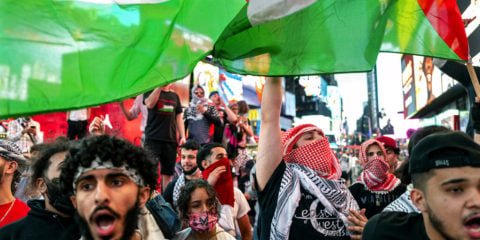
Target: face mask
{"points": [[377, 168], [317, 156], [202, 222], [58, 199]]}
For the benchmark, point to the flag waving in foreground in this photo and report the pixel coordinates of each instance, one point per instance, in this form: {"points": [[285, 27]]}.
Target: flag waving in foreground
{"points": [[63, 54], [296, 37]]}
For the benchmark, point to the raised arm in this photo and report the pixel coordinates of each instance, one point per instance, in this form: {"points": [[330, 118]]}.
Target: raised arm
{"points": [[125, 112], [231, 116], [269, 153], [152, 99], [180, 128]]}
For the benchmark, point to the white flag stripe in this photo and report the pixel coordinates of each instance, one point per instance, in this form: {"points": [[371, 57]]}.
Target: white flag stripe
{"points": [[262, 11], [120, 2]]}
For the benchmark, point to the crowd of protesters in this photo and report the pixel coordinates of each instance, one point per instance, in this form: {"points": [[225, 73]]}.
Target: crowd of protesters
{"points": [[296, 187]]}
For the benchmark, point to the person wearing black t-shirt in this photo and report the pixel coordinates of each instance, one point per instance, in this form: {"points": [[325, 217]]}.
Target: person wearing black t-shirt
{"points": [[300, 193], [445, 169], [163, 123], [376, 187]]}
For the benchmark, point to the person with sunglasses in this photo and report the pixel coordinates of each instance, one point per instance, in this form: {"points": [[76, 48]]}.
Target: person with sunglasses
{"points": [[199, 117], [376, 187]]}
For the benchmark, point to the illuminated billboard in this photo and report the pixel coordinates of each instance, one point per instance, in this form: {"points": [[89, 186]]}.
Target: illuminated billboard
{"points": [[422, 82]]}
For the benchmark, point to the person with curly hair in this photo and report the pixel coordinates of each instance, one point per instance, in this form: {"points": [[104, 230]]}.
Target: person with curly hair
{"points": [[110, 180], [53, 215], [199, 208]]}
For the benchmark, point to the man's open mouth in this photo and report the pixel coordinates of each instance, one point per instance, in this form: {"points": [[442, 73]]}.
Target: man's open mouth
{"points": [[472, 225], [104, 222]]}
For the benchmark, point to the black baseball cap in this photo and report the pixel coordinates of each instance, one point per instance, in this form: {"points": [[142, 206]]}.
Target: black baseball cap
{"points": [[212, 93], [449, 149]]}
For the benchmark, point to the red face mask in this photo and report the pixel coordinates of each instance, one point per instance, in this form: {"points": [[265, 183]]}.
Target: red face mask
{"points": [[224, 185], [317, 156]]}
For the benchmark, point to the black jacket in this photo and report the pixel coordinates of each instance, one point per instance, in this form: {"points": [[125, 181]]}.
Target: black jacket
{"points": [[40, 224]]}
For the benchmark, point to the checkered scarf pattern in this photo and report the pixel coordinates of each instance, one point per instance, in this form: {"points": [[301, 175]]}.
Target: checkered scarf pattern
{"points": [[11, 152], [97, 164], [317, 155], [178, 187], [375, 173]]}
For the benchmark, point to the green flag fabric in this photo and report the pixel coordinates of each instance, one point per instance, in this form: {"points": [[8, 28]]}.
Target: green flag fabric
{"points": [[301, 37], [58, 55]]}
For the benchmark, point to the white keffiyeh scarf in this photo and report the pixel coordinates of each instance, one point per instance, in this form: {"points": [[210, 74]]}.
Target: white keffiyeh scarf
{"points": [[333, 194]]}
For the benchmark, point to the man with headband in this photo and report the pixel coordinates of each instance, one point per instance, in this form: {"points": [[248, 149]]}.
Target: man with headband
{"points": [[301, 195], [445, 170], [110, 181], [12, 164]]}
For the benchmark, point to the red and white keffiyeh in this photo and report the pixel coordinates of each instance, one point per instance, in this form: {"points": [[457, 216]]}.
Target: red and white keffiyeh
{"points": [[375, 173], [317, 155]]}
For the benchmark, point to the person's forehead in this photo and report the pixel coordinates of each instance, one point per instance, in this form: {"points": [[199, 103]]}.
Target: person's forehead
{"points": [[101, 173], [56, 159], [373, 147], [188, 151], [199, 194], [218, 150], [467, 174]]}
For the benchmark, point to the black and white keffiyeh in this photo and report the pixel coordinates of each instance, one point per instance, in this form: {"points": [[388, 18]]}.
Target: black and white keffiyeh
{"points": [[178, 186], [11, 152], [402, 204], [333, 195]]}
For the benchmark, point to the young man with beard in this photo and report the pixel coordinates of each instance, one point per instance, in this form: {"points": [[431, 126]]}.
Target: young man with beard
{"points": [[212, 160], [445, 170], [188, 154], [110, 181], [52, 216], [12, 164]]}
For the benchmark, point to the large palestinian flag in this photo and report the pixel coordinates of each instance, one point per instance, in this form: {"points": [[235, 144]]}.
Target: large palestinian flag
{"points": [[64, 54], [296, 37]]}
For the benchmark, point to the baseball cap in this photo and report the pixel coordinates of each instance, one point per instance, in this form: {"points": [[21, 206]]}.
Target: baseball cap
{"points": [[11, 152], [212, 93], [450, 149], [388, 142]]}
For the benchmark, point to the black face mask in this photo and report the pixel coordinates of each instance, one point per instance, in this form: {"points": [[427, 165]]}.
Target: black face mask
{"points": [[58, 199]]}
